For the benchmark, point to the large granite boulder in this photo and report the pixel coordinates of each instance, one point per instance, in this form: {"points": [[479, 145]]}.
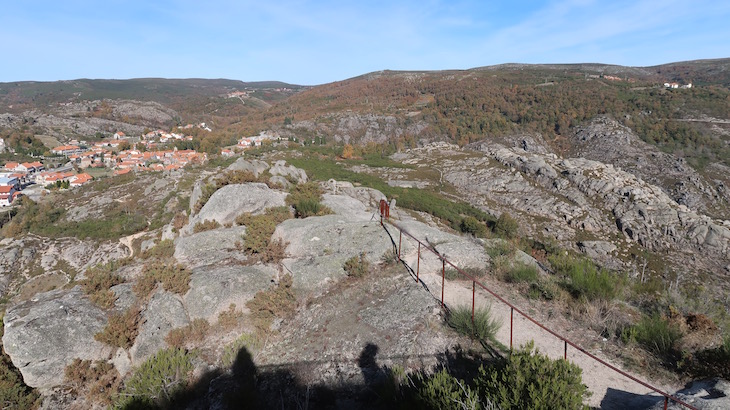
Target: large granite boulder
{"points": [[289, 172], [213, 289], [164, 312], [319, 246], [253, 165], [210, 247], [45, 334], [232, 200]]}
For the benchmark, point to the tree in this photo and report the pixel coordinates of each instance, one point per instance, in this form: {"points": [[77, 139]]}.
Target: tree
{"points": [[347, 151]]}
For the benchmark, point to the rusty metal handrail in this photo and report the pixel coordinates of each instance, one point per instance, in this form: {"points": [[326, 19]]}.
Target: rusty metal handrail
{"points": [[514, 308]]}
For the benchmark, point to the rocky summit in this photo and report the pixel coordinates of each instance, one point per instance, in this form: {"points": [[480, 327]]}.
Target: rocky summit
{"points": [[218, 244]]}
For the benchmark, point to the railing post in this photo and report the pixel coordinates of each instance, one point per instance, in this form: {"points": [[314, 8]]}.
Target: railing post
{"points": [[418, 261], [400, 241], [565, 350], [443, 280], [473, 297], [666, 402], [511, 325]]}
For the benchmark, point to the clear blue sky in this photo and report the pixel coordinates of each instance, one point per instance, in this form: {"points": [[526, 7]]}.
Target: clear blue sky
{"points": [[314, 42]]}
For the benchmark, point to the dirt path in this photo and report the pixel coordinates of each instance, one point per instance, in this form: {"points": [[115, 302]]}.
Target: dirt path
{"points": [[127, 241], [610, 390]]}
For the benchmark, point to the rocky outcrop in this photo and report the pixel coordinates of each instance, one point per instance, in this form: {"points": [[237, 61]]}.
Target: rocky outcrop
{"points": [[210, 247], [254, 166], [232, 200], [165, 311], [213, 289], [45, 334], [289, 172], [319, 246]]}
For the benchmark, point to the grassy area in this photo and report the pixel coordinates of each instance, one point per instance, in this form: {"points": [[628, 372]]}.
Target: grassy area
{"points": [[325, 168]]}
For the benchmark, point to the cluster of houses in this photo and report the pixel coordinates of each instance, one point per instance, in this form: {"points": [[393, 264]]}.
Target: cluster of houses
{"points": [[14, 176], [677, 85], [99, 155]]}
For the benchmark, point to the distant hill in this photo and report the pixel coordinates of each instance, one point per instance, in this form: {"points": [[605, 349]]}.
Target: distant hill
{"points": [[175, 93]]}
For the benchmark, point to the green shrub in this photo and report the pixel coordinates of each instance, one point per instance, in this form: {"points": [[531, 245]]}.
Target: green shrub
{"points": [[98, 282], [542, 290], [121, 330], [520, 273], [483, 327], [473, 226], [657, 335], [506, 226], [206, 225], [453, 274], [500, 248], [444, 391], [530, 380], [305, 198], [584, 280], [157, 381], [357, 266]]}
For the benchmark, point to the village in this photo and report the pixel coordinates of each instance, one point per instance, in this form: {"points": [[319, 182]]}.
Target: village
{"points": [[118, 155]]}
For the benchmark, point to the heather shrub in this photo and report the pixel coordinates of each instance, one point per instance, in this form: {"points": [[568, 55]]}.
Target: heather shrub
{"points": [[173, 276], [162, 250], [584, 280], [98, 381], [193, 333], [98, 282], [228, 319], [206, 225], [277, 301], [357, 266], [121, 330]]}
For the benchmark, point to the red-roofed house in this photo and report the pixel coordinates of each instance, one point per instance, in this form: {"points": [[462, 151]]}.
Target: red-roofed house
{"points": [[7, 194], [80, 179]]}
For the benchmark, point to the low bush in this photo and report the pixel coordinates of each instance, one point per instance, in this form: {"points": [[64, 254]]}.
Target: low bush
{"points": [[158, 381], [305, 198], [121, 330], [277, 301], [530, 380], [162, 250], [98, 282], [473, 226], [656, 334], [228, 319], [206, 225], [584, 280], [542, 290], [98, 381], [193, 333], [506, 227], [482, 328], [173, 276], [441, 390], [453, 274], [500, 248], [357, 266], [259, 229], [521, 273]]}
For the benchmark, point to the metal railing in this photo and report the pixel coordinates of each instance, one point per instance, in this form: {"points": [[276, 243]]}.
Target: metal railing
{"points": [[513, 309]]}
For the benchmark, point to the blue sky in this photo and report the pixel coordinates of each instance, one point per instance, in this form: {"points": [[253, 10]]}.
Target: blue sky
{"points": [[315, 42]]}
